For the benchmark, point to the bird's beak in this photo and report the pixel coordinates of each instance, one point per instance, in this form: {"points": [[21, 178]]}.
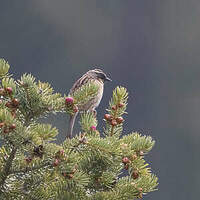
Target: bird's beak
{"points": [[108, 79]]}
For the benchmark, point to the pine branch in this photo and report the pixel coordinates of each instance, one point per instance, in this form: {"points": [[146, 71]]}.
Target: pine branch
{"points": [[117, 107], [80, 97], [7, 167], [88, 122], [85, 93], [88, 166], [4, 68]]}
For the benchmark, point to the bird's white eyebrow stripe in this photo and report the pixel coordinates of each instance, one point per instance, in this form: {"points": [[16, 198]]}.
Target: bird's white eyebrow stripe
{"points": [[97, 70]]}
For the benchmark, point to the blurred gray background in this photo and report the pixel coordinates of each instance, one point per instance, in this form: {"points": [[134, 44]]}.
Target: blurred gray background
{"points": [[150, 47]]}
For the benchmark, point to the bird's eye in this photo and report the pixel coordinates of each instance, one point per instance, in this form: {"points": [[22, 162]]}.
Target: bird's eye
{"points": [[101, 76]]}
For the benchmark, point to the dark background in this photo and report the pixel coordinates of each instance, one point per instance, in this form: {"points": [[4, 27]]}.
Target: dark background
{"points": [[150, 47]]}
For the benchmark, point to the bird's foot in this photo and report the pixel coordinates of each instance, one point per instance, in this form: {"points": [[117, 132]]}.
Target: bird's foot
{"points": [[94, 113]]}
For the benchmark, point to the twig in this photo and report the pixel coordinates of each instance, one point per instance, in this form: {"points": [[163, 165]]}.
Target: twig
{"points": [[112, 129], [8, 165], [28, 169]]}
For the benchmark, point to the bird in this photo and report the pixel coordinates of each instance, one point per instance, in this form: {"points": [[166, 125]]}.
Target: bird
{"points": [[96, 76]]}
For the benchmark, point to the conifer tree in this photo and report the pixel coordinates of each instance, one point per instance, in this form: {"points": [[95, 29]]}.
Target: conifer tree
{"points": [[90, 166]]}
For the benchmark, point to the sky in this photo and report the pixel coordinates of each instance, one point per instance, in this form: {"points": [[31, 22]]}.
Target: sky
{"points": [[150, 47]]}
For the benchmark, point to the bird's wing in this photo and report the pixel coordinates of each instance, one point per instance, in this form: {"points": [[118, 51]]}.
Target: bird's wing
{"points": [[78, 84]]}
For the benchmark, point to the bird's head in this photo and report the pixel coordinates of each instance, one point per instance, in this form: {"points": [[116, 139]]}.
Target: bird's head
{"points": [[99, 74]]}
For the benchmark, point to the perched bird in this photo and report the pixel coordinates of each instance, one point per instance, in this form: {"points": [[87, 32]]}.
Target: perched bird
{"points": [[96, 76]]}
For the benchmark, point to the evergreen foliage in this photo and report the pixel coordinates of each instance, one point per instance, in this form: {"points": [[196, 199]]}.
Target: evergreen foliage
{"points": [[90, 166]]}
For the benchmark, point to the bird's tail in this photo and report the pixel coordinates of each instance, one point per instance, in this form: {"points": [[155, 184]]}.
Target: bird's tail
{"points": [[71, 125]]}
